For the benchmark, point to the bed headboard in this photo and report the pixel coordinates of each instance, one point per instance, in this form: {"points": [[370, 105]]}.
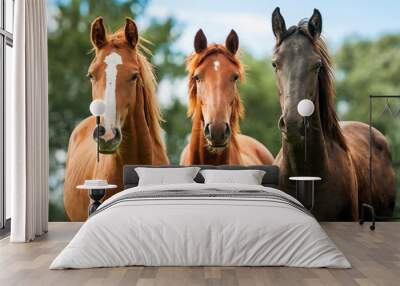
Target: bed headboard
{"points": [[270, 179]]}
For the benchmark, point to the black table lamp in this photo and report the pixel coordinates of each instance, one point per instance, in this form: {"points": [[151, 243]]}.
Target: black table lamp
{"points": [[97, 108]]}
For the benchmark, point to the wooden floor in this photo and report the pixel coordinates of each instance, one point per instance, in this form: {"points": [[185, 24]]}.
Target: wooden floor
{"points": [[375, 257]]}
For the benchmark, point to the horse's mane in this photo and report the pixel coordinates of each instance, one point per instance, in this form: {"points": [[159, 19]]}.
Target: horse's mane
{"points": [[194, 61], [329, 119], [146, 83]]}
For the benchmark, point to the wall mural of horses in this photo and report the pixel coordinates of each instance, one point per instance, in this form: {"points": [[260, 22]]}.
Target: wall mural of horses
{"points": [[215, 107], [131, 133], [123, 78], [339, 151]]}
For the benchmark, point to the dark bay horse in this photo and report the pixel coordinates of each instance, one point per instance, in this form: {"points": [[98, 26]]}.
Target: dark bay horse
{"points": [[338, 151], [123, 78], [215, 107]]}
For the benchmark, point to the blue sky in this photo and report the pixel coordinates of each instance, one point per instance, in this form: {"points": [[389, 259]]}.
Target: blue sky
{"points": [[251, 19]]}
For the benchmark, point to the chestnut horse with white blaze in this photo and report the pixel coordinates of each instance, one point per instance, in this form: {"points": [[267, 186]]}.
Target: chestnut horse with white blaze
{"points": [[215, 108], [339, 151], [130, 128]]}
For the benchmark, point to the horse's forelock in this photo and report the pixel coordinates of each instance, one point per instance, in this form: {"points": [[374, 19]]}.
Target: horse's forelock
{"points": [[118, 40]]}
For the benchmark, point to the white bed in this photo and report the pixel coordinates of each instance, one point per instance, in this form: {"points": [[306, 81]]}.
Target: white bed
{"points": [[270, 229]]}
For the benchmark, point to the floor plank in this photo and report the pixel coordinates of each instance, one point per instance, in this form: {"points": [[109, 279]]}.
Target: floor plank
{"points": [[375, 257]]}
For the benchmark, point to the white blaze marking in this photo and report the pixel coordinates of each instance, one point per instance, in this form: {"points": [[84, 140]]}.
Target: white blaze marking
{"points": [[112, 60], [216, 65]]}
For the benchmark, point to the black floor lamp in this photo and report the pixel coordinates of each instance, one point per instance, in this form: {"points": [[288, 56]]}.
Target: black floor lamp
{"points": [[97, 108], [368, 205], [305, 108]]}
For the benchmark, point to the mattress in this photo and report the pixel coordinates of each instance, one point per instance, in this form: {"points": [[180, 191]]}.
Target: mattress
{"points": [[201, 225]]}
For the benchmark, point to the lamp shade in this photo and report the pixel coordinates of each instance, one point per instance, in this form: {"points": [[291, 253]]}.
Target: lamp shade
{"points": [[305, 107], [97, 107]]}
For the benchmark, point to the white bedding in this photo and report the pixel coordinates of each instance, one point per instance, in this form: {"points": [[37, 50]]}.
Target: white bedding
{"points": [[183, 231]]}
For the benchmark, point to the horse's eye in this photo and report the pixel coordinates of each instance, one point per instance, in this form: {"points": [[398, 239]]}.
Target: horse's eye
{"points": [[197, 78], [275, 66], [317, 66], [134, 77], [235, 77], [90, 76]]}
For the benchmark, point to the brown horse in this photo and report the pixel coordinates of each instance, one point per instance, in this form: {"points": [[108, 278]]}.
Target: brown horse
{"points": [[123, 77], [215, 108], [339, 152]]}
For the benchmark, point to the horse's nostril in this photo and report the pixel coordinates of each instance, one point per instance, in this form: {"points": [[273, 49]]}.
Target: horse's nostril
{"points": [[99, 129], [227, 131], [207, 130], [117, 133], [102, 130]]}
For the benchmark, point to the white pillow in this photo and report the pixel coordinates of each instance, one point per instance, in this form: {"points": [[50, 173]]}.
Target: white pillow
{"points": [[248, 177], [166, 176]]}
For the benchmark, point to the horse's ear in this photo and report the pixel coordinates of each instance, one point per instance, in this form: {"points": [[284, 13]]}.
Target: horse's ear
{"points": [[315, 24], [232, 42], [278, 24], [200, 41], [98, 33], [131, 33]]}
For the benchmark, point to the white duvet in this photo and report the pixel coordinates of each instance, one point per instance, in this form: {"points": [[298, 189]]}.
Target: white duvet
{"points": [[203, 231]]}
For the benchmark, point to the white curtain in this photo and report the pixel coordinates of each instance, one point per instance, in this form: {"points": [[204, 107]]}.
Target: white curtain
{"points": [[27, 124]]}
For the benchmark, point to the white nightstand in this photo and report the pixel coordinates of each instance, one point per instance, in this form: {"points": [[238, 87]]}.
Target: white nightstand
{"points": [[301, 187]]}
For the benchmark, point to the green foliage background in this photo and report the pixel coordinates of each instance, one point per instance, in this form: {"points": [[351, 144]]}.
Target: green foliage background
{"points": [[363, 67]]}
